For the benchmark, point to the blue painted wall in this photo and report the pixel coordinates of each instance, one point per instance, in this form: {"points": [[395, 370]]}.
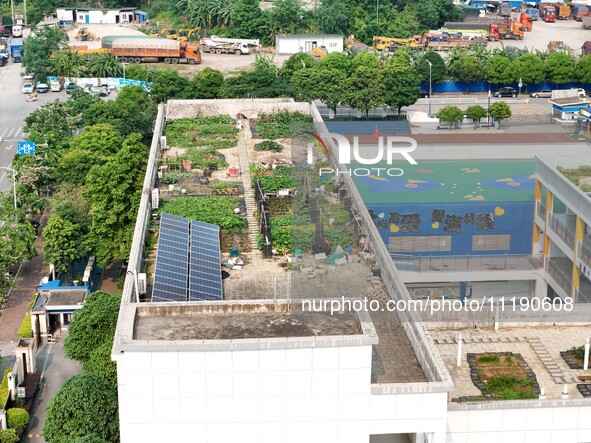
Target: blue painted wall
{"points": [[463, 87], [461, 221]]}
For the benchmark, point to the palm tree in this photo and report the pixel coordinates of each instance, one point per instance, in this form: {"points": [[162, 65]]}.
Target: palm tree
{"points": [[105, 65], [68, 63]]}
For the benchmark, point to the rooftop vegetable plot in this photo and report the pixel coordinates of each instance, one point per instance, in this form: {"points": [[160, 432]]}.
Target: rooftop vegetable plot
{"points": [[215, 209], [449, 181], [202, 132], [282, 124]]}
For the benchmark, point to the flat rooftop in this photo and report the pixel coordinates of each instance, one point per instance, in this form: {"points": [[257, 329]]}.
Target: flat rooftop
{"points": [[220, 325]]}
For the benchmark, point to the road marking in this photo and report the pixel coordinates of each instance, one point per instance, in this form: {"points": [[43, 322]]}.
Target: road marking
{"points": [[10, 133], [4, 132], [17, 131], [8, 147]]}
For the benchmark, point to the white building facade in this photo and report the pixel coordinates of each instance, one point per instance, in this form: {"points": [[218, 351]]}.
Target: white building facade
{"points": [[292, 44]]}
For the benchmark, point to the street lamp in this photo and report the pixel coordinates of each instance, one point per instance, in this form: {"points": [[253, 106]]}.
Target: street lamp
{"points": [[488, 109], [13, 183], [377, 10], [430, 89]]}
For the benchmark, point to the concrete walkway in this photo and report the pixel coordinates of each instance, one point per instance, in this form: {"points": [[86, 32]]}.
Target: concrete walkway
{"points": [[55, 370], [243, 144]]}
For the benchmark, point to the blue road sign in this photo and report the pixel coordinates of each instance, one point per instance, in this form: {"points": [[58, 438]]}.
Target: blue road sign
{"points": [[25, 148]]}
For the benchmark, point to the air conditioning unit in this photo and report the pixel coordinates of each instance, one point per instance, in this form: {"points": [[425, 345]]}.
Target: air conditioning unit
{"points": [[155, 198], [141, 283], [163, 144]]}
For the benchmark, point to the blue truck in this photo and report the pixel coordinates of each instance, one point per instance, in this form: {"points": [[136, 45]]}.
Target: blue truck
{"points": [[16, 50], [533, 13]]}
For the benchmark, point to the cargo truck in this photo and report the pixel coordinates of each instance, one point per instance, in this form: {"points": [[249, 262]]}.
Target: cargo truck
{"points": [[587, 22], [505, 9], [223, 48], [548, 13], [580, 11], [151, 50], [16, 50], [563, 11], [526, 21], [533, 13], [499, 29]]}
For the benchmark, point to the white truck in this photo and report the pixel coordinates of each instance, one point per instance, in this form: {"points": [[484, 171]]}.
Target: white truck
{"points": [[219, 45]]}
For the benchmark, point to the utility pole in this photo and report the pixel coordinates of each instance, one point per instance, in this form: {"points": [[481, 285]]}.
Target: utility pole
{"points": [[12, 10], [25, 18]]}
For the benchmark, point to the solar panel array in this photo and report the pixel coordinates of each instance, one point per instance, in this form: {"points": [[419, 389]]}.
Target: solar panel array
{"points": [[205, 277], [188, 261]]}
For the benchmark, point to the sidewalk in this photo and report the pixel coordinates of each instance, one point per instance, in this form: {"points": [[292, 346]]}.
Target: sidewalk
{"points": [[55, 370], [25, 285]]}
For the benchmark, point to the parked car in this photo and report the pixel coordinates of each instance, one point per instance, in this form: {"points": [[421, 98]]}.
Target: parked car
{"points": [[28, 88], [507, 91], [56, 86], [101, 91], [423, 93], [29, 77], [542, 93], [42, 88], [70, 87], [581, 92]]}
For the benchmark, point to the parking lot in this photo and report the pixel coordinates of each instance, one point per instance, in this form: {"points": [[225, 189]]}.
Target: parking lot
{"points": [[570, 31]]}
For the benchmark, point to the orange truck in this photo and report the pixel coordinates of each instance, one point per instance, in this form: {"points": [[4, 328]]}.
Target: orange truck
{"points": [[526, 21], [563, 12], [150, 49]]}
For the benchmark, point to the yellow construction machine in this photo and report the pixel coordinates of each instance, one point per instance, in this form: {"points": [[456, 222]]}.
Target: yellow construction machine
{"points": [[387, 43], [84, 36], [169, 33], [185, 34]]}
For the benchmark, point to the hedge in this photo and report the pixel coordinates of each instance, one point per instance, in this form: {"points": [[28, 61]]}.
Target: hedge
{"points": [[18, 418], [26, 329], [4, 388]]}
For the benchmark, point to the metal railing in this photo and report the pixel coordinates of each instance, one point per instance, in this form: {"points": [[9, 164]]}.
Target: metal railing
{"points": [[562, 230], [467, 263], [541, 210], [467, 100], [582, 296], [563, 280], [584, 253]]}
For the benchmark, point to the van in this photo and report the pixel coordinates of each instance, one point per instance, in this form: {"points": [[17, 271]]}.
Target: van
{"points": [[56, 86]]}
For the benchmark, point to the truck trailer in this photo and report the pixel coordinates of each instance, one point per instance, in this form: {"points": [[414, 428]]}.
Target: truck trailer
{"points": [[563, 11], [533, 13], [500, 30], [16, 50], [580, 11], [151, 50], [505, 9]]}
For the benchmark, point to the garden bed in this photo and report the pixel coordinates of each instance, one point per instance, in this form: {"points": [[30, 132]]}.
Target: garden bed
{"points": [[574, 357], [214, 209], [281, 124], [218, 132], [584, 389], [235, 238], [580, 177], [501, 376]]}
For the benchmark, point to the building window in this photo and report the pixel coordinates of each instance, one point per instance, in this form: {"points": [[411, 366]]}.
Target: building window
{"points": [[419, 243], [491, 242], [332, 45]]}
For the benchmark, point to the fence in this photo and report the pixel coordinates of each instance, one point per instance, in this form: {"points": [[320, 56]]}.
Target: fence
{"points": [[345, 113], [562, 230], [528, 119], [559, 276], [467, 263]]}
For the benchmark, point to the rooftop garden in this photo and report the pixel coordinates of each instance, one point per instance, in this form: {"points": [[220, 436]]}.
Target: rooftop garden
{"points": [[501, 376], [217, 132], [280, 124], [580, 177]]}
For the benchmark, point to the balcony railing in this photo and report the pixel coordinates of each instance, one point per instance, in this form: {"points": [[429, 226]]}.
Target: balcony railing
{"points": [[559, 276], [582, 296], [467, 263], [541, 210], [561, 229], [584, 253]]}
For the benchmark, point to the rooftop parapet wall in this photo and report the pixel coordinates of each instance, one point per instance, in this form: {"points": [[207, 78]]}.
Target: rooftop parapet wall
{"points": [[250, 108]]}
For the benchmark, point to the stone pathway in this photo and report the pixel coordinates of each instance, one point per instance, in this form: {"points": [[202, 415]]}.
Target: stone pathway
{"points": [[548, 361], [244, 142]]}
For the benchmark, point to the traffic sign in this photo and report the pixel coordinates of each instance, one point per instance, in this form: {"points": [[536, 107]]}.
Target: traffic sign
{"points": [[25, 148]]}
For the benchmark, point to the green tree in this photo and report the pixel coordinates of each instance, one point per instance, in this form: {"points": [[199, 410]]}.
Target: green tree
{"points": [[336, 60], [100, 362], [101, 138], [249, 21], [18, 244], [84, 405], [38, 49], [560, 68], [134, 71], [8, 436], [17, 418], [63, 244], [333, 17], [405, 24], [465, 68], [296, 63], [365, 89], [329, 86], [93, 326], [367, 59], [401, 83], [113, 191], [207, 83], [169, 85], [74, 165], [498, 70], [68, 63], [438, 69], [90, 438], [67, 202], [500, 111], [262, 82], [583, 69], [451, 115], [530, 69], [105, 65], [287, 16], [476, 113]]}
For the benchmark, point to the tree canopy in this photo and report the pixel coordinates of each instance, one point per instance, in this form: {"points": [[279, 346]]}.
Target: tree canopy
{"points": [[85, 404]]}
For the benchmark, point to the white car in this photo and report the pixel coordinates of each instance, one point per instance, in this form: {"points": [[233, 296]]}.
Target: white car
{"points": [[55, 86], [29, 77], [28, 88]]}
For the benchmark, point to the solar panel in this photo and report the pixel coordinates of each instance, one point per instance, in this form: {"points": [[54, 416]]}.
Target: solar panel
{"points": [[205, 278], [170, 279]]}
